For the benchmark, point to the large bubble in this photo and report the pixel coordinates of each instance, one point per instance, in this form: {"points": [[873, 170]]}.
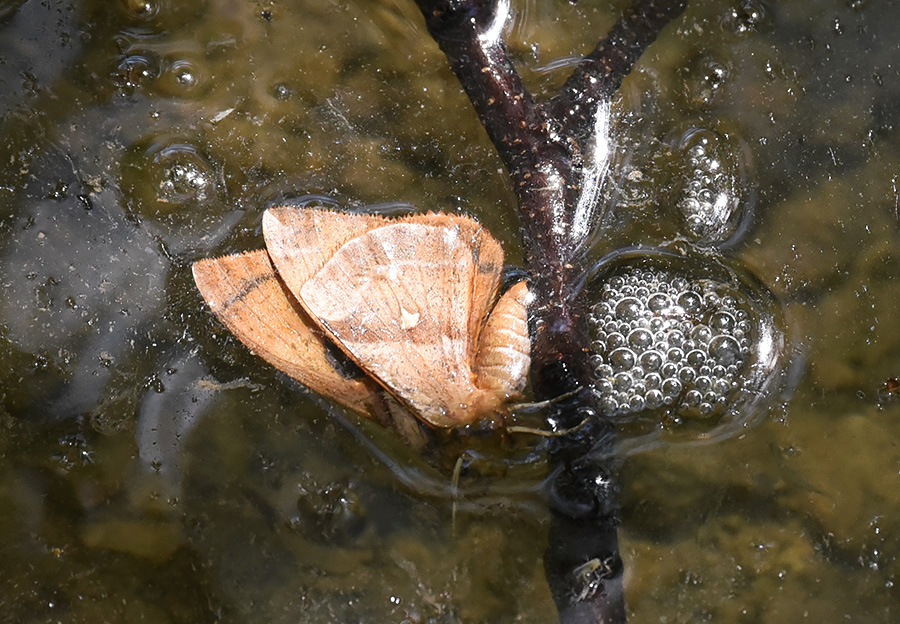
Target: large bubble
{"points": [[682, 344]]}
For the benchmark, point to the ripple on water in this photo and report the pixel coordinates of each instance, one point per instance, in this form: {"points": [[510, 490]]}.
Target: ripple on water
{"points": [[163, 175], [171, 184], [184, 75], [135, 72]]}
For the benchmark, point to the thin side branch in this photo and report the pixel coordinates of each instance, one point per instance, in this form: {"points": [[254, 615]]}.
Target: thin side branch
{"points": [[600, 74]]}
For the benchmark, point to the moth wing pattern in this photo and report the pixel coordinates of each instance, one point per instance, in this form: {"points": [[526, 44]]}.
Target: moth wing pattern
{"points": [[399, 299], [488, 257], [244, 292], [301, 240], [503, 358]]}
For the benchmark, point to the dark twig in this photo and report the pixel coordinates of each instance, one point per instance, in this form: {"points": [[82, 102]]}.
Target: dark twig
{"points": [[556, 154], [599, 75]]}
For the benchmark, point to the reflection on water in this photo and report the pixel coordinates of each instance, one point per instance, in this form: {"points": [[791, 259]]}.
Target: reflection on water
{"points": [[151, 469]]}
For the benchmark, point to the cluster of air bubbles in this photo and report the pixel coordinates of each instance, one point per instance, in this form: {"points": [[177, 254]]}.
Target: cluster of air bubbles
{"points": [[660, 340], [135, 71], [710, 202], [182, 175]]}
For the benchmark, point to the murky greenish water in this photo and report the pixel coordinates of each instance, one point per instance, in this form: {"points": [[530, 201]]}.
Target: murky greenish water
{"points": [[152, 470]]}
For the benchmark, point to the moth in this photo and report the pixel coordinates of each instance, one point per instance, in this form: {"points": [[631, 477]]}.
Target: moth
{"points": [[413, 302]]}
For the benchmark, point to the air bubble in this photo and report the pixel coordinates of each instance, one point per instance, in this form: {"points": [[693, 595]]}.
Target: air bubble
{"points": [[609, 404], [724, 349], [651, 360], [183, 77], [701, 334], [687, 374], [143, 10], [722, 322], [671, 387], [659, 302], [674, 355], [640, 339], [162, 16], [629, 308], [615, 340], [622, 381], [690, 301], [692, 398], [696, 358], [702, 383], [676, 338], [622, 358], [282, 91]]}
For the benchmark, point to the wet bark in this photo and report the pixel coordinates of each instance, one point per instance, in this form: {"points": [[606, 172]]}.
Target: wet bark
{"points": [[556, 153]]}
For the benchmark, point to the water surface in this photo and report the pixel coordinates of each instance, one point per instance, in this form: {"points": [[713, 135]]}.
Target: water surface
{"points": [[151, 469]]}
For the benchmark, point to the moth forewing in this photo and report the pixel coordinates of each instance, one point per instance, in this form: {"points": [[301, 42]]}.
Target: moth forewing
{"points": [[301, 240], [367, 295], [487, 259], [246, 295]]}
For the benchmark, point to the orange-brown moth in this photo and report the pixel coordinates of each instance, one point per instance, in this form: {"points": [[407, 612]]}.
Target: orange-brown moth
{"points": [[413, 301]]}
